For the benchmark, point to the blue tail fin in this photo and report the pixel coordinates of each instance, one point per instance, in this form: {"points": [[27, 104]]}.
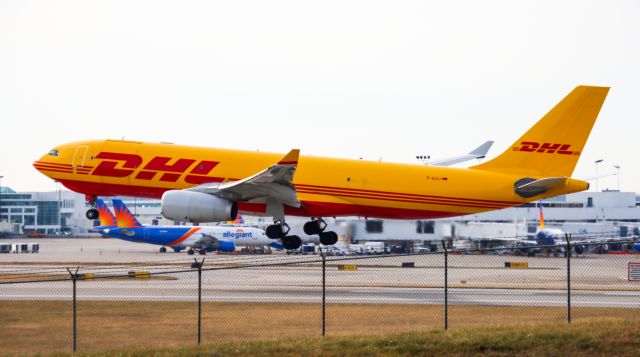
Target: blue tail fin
{"points": [[125, 218], [107, 219]]}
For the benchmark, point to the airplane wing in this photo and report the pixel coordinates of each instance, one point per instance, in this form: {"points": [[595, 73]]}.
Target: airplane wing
{"points": [[477, 153], [206, 241], [273, 183]]}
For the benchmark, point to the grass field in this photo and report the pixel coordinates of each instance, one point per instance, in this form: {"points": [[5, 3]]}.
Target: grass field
{"points": [[32, 327], [586, 338]]}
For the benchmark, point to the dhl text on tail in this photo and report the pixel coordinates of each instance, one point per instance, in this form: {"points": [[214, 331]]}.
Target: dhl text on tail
{"points": [[206, 184]]}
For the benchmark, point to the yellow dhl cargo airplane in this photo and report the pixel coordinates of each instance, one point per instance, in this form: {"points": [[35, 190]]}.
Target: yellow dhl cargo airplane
{"points": [[206, 185]]}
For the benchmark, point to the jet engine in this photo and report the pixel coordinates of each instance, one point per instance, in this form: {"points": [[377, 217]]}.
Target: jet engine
{"points": [[222, 246], [196, 207]]}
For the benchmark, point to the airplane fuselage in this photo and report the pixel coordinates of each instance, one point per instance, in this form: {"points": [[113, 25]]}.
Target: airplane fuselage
{"points": [[189, 236], [325, 186]]}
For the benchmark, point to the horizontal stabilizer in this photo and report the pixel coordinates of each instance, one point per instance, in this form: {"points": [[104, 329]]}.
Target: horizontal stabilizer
{"points": [[528, 187]]}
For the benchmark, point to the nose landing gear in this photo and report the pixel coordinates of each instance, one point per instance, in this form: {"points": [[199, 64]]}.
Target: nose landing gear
{"points": [[92, 213]]}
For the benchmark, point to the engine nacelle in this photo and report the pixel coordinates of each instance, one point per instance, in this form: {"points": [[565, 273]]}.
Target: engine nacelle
{"points": [[197, 207], [223, 246]]}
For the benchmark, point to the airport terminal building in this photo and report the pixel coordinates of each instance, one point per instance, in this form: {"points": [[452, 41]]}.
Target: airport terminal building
{"points": [[64, 211], [612, 213], [43, 212]]}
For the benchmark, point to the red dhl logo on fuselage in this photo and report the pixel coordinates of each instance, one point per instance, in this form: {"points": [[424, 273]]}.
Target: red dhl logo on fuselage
{"points": [[549, 148], [168, 169]]}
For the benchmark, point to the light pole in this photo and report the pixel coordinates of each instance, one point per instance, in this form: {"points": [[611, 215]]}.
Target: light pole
{"points": [[597, 162], [617, 167]]}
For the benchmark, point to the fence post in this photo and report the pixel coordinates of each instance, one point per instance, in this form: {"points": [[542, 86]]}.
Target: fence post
{"points": [[198, 264], [74, 278], [568, 238], [324, 290], [446, 285]]}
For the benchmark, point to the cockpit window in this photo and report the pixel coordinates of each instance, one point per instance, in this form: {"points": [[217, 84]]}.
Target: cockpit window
{"points": [[54, 152]]}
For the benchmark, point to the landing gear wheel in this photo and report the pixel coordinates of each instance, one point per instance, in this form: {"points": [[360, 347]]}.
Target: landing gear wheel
{"points": [[328, 238], [277, 230], [291, 242], [190, 252], [274, 231], [314, 227], [203, 252], [92, 214], [163, 250]]}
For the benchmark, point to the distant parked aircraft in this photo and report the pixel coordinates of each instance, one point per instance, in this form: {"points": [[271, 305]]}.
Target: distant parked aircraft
{"points": [[193, 238], [478, 153], [553, 240]]}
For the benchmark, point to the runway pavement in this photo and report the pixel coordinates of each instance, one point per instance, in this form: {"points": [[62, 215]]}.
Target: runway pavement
{"points": [[597, 280], [127, 291]]}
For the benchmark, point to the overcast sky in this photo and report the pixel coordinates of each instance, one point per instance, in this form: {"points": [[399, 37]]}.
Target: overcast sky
{"points": [[372, 79]]}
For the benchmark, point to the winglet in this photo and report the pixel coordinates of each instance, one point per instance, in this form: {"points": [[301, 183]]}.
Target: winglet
{"points": [[481, 151], [125, 218], [291, 158]]}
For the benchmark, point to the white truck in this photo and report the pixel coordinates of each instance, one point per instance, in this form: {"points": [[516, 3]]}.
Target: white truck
{"points": [[375, 248]]}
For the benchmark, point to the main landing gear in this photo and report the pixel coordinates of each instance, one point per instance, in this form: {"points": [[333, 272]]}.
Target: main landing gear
{"points": [[192, 251], [92, 213], [317, 226], [279, 230]]}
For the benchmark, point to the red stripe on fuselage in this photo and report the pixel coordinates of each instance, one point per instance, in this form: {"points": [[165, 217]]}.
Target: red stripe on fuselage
{"points": [[109, 189], [398, 194], [399, 199], [308, 209], [45, 168], [52, 164], [330, 209]]}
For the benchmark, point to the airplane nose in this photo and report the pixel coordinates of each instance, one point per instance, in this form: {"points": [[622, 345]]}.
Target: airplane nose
{"points": [[51, 165], [40, 165]]}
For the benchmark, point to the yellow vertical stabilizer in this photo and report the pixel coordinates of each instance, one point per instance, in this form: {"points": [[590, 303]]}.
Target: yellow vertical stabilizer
{"points": [[551, 148]]}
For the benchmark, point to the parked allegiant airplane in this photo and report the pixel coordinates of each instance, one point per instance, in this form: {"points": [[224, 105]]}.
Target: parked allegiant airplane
{"points": [[202, 239], [206, 185]]}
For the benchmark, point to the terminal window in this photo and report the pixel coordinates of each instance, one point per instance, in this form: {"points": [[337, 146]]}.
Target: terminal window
{"points": [[373, 226], [425, 227]]}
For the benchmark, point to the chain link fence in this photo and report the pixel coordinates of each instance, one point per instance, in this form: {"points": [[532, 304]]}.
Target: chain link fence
{"points": [[231, 298]]}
